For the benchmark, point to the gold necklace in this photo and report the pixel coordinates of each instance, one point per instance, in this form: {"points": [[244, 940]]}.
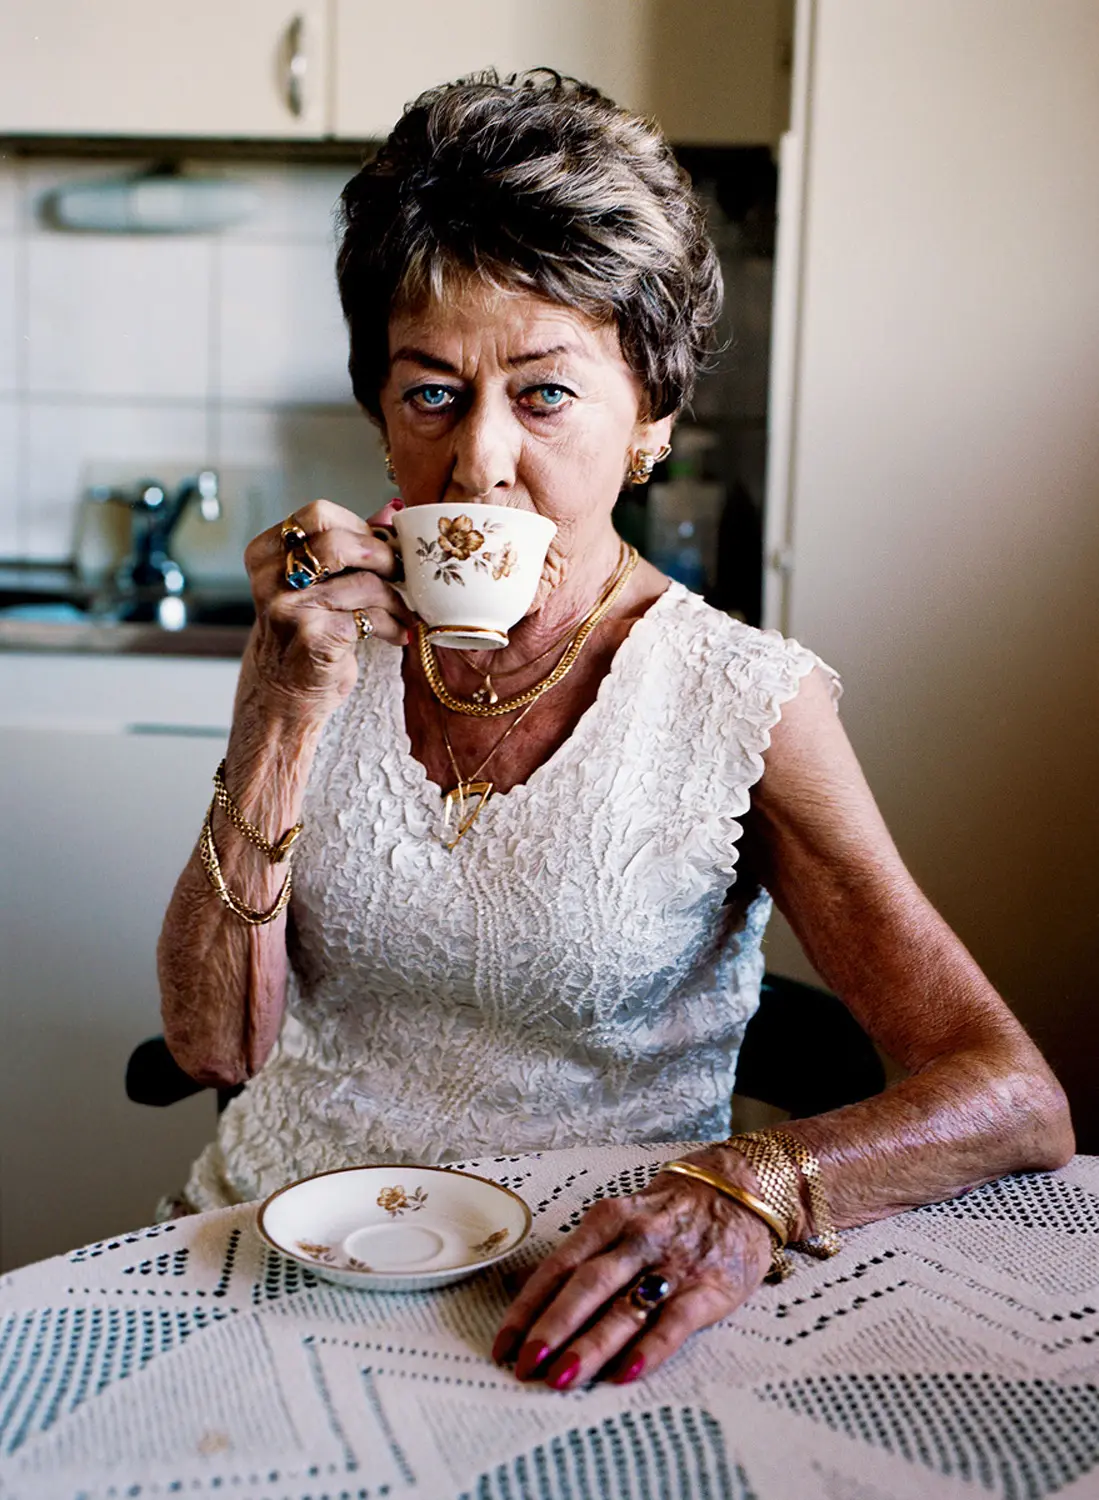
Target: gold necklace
{"points": [[487, 692], [429, 661], [455, 801]]}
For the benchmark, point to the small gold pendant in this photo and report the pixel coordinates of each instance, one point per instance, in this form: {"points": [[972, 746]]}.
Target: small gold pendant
{"points": [[455, 807], [487, 694]]}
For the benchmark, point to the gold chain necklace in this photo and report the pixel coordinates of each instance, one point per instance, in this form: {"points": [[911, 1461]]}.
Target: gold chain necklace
{"points": [[429, 661], [487, 692], [455, 802]]}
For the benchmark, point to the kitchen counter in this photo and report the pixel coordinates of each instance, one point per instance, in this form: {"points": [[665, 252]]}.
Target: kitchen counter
{"points": [[109, 638], [51, 609]]}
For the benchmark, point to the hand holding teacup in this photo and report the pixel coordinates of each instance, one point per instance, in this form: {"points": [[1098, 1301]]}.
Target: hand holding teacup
{"points": [[304, 645]]}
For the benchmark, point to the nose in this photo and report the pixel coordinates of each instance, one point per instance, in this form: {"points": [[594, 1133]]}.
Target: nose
{"points": [[486, 451]]}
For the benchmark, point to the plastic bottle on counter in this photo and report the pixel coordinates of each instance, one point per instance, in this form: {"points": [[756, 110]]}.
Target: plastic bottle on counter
{"points": [[685, 513]]}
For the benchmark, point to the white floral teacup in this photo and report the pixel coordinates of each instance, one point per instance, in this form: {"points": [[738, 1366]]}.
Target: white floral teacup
{"points": [[471, 571]]}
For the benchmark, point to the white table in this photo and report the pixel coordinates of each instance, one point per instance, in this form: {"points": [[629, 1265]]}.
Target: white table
{"points": [[951, 1351]]}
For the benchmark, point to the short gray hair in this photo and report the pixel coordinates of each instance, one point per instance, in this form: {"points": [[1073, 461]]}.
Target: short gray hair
{"points": [[534, 183]]}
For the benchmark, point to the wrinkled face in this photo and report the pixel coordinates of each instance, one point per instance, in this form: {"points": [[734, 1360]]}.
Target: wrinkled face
{"points": [[507, 399]]}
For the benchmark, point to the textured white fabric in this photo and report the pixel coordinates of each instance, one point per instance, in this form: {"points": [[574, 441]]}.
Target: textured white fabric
{"points": [[571, 973], [947, 1353]]}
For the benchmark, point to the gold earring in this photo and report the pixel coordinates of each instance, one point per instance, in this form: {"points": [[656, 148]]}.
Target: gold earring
{"points": [[643, 462], [390, 471]]}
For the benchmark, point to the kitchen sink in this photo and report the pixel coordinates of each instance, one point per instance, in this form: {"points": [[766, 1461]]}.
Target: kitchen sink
{"points": [[51, 609], [52, 595]]}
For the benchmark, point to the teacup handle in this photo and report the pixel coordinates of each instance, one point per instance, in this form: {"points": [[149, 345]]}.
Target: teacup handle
{"points": [[389, 535]]}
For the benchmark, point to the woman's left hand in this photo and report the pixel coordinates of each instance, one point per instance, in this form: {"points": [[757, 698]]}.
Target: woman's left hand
{"points": [[573, 1319]]}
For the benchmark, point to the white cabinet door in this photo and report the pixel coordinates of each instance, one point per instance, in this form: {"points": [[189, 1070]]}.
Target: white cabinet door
{"points": [[125, 67], [106, 775], [709, 71]]}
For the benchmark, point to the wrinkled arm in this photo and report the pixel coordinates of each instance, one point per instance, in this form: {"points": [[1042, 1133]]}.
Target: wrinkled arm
{"points": [[980, 1101], [223, 983]]}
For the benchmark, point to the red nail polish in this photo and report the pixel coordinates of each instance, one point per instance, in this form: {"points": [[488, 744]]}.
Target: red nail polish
{"points": [[566, 1374], [397, 503], [632, 1370], [531, 1355], [507, 1341]]}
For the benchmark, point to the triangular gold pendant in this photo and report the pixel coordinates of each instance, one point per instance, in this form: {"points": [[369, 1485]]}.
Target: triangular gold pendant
{"points": [[456, 807]]}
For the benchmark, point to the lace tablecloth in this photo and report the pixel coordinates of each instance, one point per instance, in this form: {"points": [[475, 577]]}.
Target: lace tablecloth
{"points": [[948, 1351]]}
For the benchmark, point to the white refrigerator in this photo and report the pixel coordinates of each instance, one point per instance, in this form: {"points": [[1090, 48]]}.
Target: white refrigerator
{"points": [[933, 493]]}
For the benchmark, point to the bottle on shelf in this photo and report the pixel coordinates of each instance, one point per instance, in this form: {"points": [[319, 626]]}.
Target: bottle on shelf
{"points": [[684, 512]]}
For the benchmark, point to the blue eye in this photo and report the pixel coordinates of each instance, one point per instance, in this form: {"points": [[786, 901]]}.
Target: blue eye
{"points": [[548, 397], [431, 397]]}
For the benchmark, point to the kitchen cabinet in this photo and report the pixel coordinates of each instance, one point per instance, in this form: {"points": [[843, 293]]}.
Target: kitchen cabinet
{"points": [[252, 69], [107, 766], [713, 72]]}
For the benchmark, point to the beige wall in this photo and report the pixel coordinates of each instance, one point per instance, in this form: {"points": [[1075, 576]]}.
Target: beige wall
{"points": [[943, 487]]}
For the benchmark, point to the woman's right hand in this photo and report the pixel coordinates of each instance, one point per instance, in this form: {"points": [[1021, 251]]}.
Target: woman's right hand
{"points": [[303, 647]]}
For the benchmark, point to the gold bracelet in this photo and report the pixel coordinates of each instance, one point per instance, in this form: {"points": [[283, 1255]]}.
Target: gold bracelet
{"points": [[276, 853], [780, 1162], [208, 854], [780, 1266], [823, 1240]]}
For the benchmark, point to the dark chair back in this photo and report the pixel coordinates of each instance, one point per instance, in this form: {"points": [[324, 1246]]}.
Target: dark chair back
{"points": [[804, 1052], [154, 1077]]}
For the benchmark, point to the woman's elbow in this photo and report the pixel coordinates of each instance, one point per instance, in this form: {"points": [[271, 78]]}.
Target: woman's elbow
{"points": [[1039, 1115], [213, 1069]]}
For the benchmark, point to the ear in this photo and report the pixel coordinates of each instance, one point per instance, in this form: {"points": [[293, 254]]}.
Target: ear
{"points": [[652, 436]]}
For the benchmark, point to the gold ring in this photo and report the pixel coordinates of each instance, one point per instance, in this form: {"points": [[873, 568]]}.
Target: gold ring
{"points": [[637, 1314], [303, 567], [363, 624]]}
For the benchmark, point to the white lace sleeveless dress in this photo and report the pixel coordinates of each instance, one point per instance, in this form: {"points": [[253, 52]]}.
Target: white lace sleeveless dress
{"points": [[571, 973]]}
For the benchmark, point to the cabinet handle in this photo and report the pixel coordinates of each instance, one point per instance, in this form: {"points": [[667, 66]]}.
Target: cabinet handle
{"points": [[297, 63]]}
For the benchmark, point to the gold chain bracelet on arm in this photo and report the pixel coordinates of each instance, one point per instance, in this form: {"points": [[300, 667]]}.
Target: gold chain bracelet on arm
{"points": [[208, 854], [275, 852], [780, 1162], [781, 1265]]}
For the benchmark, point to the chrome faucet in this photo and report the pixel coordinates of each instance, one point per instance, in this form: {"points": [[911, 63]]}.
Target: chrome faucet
{"points": [[154, 516]]}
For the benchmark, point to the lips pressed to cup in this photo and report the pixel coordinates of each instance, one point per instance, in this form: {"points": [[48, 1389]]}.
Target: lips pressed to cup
{"points": [[471, 571]]}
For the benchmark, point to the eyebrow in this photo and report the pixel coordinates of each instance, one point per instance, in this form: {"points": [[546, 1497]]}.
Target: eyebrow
{"points": [[434, 362]]}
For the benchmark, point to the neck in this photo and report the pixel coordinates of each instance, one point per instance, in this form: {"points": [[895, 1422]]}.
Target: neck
{"points": [[567, 594]]}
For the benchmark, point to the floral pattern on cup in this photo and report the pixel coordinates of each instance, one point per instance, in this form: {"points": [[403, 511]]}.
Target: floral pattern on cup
{"points": [[459, 537], [396, 1201], [458, 542]]}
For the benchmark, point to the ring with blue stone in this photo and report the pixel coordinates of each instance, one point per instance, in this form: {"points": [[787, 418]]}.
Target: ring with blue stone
{"points": [[649, 1291], [303, 567]]}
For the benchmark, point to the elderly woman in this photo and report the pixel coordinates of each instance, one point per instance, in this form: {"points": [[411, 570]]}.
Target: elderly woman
{"points": [[529, 289]]}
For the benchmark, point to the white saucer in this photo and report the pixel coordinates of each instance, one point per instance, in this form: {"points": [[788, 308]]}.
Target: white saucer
{"points": [[394, 1229]]}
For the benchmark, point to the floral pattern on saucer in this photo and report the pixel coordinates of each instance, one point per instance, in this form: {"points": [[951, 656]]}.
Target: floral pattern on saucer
{"points": [[396, 1201]]}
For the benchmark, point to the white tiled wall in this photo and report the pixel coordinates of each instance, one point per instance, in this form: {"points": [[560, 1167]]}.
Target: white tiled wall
{"points": [[127, 354]]}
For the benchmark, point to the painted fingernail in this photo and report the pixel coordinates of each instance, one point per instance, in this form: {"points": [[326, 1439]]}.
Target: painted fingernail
{"points": [[507, 1342], [397, 503], [568, 1372], [530, 1357], [632, 1370]]}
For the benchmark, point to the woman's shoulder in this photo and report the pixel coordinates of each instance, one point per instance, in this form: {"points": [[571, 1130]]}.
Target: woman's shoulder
{"points": [[712, 647]]}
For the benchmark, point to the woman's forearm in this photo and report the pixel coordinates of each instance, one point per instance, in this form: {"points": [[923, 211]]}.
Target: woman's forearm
{"points": [[964, 1119], [223, 982]]}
